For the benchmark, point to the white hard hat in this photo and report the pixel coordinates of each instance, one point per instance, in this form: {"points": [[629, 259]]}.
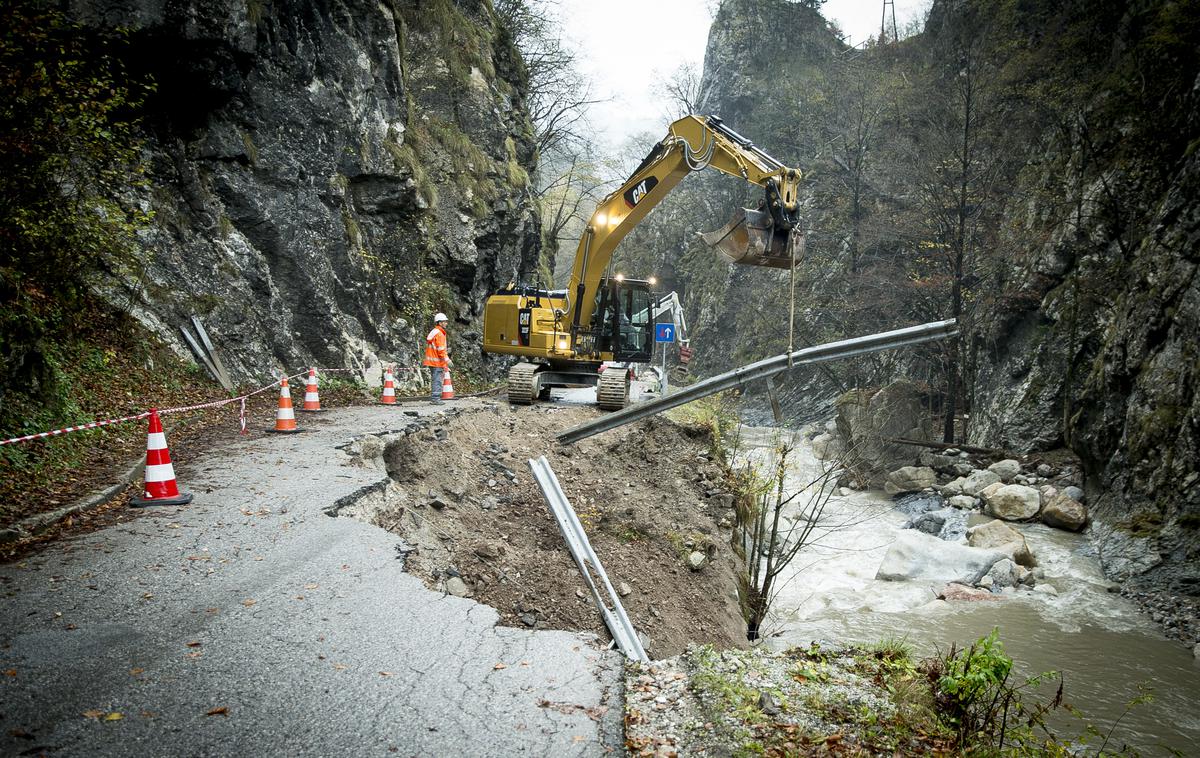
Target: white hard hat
{"points": [[439, 317]]}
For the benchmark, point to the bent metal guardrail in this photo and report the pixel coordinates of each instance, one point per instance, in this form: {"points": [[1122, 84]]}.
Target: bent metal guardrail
{"points": [[912, 335], [572, 531]]}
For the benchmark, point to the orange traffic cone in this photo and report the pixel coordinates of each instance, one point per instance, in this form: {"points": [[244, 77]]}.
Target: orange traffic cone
{"points": [[447, 387], [389, 388], [160, 487], [312, 399], [285, 418]]}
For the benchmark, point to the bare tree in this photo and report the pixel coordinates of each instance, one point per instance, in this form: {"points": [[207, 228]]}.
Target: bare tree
{"points": [[956, 148], [779, 520], [558, 93], [680, 92]]}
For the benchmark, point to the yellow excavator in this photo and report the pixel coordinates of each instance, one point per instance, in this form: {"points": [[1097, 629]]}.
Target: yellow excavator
{"points": [[567, 336]]}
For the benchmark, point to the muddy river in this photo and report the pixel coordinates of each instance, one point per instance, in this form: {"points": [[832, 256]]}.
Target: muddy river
{"points": [[1103, 646]]}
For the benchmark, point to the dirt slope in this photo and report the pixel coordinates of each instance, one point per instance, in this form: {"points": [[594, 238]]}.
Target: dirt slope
{"points": [[464, 498]]}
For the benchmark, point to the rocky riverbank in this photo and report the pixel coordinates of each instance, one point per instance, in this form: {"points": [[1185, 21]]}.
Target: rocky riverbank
{"points": [[1178, 615], [967, 509]]}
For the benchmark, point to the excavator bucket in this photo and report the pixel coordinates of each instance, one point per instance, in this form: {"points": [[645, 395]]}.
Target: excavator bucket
{"points": [[752, 239]]}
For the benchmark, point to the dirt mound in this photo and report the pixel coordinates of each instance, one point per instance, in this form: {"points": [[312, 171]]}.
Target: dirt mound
{"points": [[649, 495]]}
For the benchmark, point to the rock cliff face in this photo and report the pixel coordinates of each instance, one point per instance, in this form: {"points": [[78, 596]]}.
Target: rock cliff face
{"points": [[1108, 363], [1083, 329], [326, 175], [1098, 346]]}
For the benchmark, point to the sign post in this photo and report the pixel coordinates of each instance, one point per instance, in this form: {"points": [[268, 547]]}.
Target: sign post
{"points": [[664, 333]]}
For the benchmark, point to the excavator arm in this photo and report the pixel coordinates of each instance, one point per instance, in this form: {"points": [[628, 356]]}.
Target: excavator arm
{"points": [[692, 144]]}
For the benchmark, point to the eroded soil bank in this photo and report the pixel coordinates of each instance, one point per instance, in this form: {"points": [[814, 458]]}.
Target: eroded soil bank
{"points": [[461, 495]]}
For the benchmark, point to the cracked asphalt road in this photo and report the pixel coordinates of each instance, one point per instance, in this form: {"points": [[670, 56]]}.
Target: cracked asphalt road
{"points": [[298, 632]]}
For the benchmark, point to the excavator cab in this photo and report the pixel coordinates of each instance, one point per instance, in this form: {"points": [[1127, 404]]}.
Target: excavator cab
{"points": [[623, 320]]}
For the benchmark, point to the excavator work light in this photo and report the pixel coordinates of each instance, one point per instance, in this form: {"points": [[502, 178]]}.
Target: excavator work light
{"points": [[619, 277], [653, 281]]}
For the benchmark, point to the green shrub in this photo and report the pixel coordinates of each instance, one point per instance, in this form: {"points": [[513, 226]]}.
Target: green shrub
{"points": [[70, 150]]}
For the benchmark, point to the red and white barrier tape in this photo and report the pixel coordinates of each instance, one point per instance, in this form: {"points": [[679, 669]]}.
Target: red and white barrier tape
{"points": [[184, 408], [65, 430]]}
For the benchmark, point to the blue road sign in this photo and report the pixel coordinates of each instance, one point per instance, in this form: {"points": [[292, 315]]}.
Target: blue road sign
{"points": [[664, 332]]}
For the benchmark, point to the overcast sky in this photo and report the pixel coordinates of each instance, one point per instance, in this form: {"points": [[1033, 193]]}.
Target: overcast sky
{"points": [[625, 45]]}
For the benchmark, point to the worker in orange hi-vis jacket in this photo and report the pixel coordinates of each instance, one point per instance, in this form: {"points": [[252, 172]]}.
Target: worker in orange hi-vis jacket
{"points": [[437, 356]]}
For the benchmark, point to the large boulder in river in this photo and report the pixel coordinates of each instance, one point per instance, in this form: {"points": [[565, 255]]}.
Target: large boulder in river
{"points": [[1006, 469], [997, 535], [866, 419], [1014, 502], [978, 479], [930, 522], [956, 591], [915, 555], [1003, 573], [962, 502], [826, 447], [943, 464], [909, 479], [952, 487], [1065, 513], [987, 491]]}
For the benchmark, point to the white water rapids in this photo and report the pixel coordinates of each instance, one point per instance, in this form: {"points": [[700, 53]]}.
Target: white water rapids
{"points": [[1099, 641]]}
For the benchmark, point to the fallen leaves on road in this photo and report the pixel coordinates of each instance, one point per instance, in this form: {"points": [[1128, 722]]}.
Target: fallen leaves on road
{"points": [[499, 666], [249, 602], [385, 673], [339, 667], [99, 715], [193, 644], [10, 672], [311, 586], [219, 711], [595, 713], [136, 672]]}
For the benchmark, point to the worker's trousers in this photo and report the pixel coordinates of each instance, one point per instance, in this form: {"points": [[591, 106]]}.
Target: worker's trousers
{"points": [[436, 373]]}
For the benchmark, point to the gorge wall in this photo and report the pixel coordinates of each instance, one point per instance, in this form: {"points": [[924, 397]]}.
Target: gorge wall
{"points": [[1076, 211], [325, 175]]}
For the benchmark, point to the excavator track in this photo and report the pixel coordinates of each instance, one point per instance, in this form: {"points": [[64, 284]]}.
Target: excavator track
{"points": [[523, 383], [612, 393]]}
